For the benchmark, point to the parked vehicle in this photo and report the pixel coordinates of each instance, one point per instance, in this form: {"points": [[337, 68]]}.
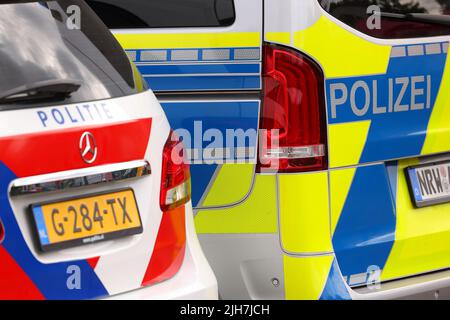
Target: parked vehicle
{"points": [[350, 198], [93, 202]]}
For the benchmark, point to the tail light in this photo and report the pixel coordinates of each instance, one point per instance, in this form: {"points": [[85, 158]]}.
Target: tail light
{"points": [[170, 245], [293, 119], [175, 180]]}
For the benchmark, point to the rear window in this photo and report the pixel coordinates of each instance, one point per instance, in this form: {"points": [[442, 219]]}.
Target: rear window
{"points": [[393, 19], [126, 14], [60, 41]]}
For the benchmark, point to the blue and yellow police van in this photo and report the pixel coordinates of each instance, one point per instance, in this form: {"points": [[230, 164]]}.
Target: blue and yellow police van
{"points": [[318, 133]]}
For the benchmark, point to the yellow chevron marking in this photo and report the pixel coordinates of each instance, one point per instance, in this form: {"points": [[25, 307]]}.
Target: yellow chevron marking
{"points": [[228, 175], [346, 142], [340, 183], [304, 213], [438, 133], [340, 52], [305, 277], [258, 214]]}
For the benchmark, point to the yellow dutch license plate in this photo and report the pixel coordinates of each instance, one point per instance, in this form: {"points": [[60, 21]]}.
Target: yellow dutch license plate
{"points": [[81, 221]]}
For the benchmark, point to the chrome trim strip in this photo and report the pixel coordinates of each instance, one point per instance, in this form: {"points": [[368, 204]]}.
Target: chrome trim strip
{"points": [[80, 178]]}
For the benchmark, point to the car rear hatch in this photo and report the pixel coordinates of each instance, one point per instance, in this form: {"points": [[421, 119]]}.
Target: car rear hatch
{"points": [[81, 155]]}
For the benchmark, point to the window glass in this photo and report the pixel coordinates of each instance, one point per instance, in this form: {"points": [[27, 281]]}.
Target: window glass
{"points": [[392, 19], [125, 14], [45, 42]]}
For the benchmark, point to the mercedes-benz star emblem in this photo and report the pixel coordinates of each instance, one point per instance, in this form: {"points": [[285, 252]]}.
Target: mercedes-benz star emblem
{"points": [[88, 147]]}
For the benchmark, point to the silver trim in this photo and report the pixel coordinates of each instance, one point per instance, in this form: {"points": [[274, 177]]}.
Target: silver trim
{"points": [[433, 48], [416, 50], [185, 55], [80, 178], [155, 55], [397, 52], [247, 54], [88, 146], [295, 152], [405, 287], [216, 54], [132, 55]]}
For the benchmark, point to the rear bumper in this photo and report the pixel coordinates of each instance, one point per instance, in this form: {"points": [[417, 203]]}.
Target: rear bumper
{"points": [[194, 281], [433, 286]]}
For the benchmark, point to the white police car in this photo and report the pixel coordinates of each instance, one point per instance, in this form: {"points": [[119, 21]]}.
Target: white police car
{"points": [[94, 192]]}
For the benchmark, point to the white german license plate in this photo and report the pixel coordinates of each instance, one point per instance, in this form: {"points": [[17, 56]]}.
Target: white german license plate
{"points": [[429, 183]]}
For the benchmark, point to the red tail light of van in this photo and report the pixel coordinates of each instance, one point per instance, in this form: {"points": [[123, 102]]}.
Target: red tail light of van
{"points": [[293, 120]]}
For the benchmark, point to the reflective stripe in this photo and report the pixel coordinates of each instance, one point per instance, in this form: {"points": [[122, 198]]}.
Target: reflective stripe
{"points": [[205, 55], [247, 54], [132, 55], [438, 131], [203, 69], [216, 54], [186, 40], [278, 37], [416, 50], [397, 52], [257, 214], [305, 277], [336, 49], [152, 55], [398, 105], [226, 180], [345, 151], [304, 213], [340, 182], [335, 288], [365, 232], [434, 48]]}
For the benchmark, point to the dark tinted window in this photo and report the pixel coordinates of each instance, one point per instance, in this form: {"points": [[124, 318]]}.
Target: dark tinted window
{"points": [[38, 44], [397, 18], [123, 14]]}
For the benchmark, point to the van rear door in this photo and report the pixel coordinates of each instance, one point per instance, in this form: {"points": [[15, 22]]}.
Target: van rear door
{"points": [[387, 80]]}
